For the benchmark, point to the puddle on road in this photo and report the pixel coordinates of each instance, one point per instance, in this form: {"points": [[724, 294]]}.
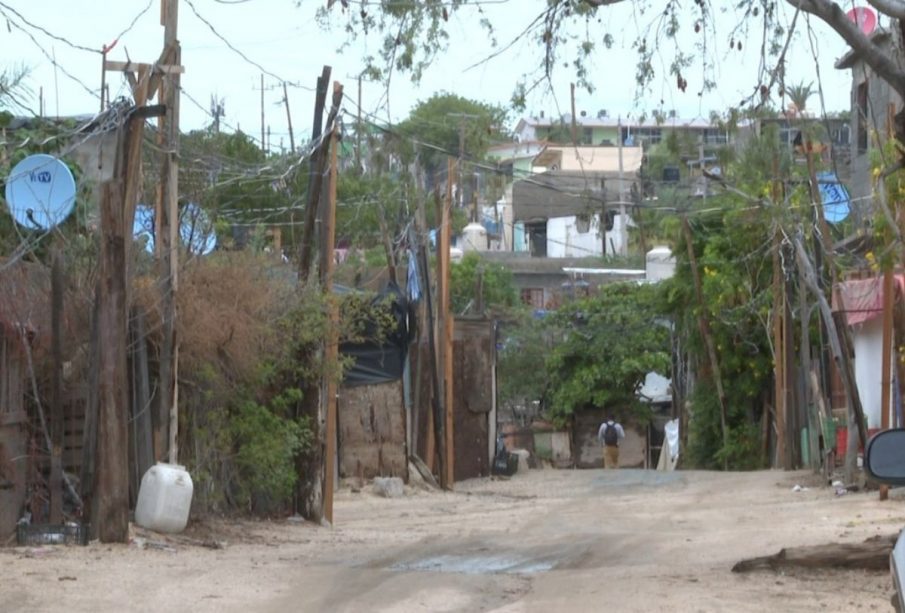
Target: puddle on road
{"points": [[645, 478], [476, 564]]}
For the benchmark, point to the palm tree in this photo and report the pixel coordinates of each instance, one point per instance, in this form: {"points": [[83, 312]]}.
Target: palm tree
{"points": [[13, 89], [798, 98]]}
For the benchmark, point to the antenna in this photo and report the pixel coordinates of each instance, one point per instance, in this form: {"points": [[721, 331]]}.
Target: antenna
{"points": [[40, 192]]}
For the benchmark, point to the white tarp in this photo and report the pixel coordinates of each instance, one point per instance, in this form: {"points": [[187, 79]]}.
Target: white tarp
{"points": [[669, 453]]}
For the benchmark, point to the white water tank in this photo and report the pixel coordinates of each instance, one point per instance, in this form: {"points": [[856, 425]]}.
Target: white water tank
{"points": [[660, 264], [474, 237], [164, 498]]}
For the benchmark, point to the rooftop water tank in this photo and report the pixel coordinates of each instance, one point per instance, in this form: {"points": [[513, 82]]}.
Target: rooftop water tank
{"points": [[474, 238], [660, 264]]}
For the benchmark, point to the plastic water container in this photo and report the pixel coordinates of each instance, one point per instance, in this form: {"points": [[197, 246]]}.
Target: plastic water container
{"points": [[164, 498]]}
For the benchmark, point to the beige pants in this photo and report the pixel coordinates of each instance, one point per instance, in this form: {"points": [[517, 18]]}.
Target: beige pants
{"points": [[610, 456]]}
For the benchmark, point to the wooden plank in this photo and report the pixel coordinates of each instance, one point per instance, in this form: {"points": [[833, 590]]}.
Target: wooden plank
{"points": [[371, 426], [137, 66], [872, 554]]}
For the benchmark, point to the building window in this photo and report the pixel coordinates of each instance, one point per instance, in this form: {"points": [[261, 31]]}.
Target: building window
{"points": [[648, 136], [533, 297], [587, 136], [715, 136], [842, 135], [861, 107]]}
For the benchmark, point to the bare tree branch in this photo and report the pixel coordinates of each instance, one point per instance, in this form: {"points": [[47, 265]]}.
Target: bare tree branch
{"points": [[869, 52], [599, 3], [893, 8]]}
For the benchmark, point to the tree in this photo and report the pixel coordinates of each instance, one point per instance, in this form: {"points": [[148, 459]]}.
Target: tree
{"points": [[799, 95], [609, 343], [497, 286], [13, 88], [441, 120]]}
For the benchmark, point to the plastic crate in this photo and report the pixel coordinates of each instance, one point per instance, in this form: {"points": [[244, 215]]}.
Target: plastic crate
{"points": [[52, 534]]}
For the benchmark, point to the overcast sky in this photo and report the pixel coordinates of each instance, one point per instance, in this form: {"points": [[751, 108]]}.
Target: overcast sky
{"points": [[283, 37]]}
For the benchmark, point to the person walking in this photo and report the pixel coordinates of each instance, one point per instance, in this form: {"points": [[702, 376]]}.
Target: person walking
{"points": [[609, 434]]}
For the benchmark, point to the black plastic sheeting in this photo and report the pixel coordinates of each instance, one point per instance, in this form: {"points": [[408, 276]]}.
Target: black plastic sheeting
{"points": [[381, 362]]}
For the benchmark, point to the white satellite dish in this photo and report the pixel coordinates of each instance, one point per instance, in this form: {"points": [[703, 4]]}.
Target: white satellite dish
{"points": [[40, 192], [196, 230]]}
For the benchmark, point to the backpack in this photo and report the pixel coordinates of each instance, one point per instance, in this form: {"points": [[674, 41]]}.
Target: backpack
{"points": [[610, 435]]}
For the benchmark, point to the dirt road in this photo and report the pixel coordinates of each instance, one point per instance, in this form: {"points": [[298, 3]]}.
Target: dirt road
{"points": [[626, 540]]}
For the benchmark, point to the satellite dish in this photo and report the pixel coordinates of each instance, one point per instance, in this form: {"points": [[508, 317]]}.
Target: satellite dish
{"points": [[196, 230], [143, 226], [835, 198], [40, 192], [864, 18]]}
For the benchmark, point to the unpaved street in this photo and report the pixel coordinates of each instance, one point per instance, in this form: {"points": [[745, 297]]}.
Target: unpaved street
{"points": [[626, 540]]}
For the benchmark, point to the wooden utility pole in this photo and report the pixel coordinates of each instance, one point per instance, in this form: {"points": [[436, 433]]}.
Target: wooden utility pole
{"points": [[168, 237], [889, 291], [574, 120], [603, 217], [358, 130], [288, 118], [331, 350], [112, 489], [460, 187], [445, 329], [263, 139], [430, 445], [779, 371], [704, 324], [315, 177], [779, 310], [623, 217], [312, 466]]}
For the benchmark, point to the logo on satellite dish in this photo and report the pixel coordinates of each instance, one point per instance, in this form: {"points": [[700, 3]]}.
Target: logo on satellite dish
{"points": [[40, 192]]}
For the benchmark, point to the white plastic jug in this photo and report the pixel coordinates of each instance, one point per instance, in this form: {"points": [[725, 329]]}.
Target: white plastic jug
{"points": [[164, 498]]}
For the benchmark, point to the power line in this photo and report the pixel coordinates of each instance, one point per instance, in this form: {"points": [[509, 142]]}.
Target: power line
{"points": [[43, 30], [237, 51]]}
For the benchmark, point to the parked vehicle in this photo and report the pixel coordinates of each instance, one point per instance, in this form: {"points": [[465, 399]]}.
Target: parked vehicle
{"points": [[885, 463]]}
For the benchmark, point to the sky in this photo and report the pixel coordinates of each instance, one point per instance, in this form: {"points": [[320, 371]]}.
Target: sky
{"points": [[282, 39]]}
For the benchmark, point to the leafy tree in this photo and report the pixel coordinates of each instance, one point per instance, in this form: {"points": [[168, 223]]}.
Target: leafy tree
{"points": [[526, 342], [497, 284], [437, 121], [731, 242], [609, 343]]}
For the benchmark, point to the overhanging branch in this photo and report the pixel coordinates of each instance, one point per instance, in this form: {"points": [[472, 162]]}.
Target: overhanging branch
{"points": [[893, 8], [870, 53]]}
